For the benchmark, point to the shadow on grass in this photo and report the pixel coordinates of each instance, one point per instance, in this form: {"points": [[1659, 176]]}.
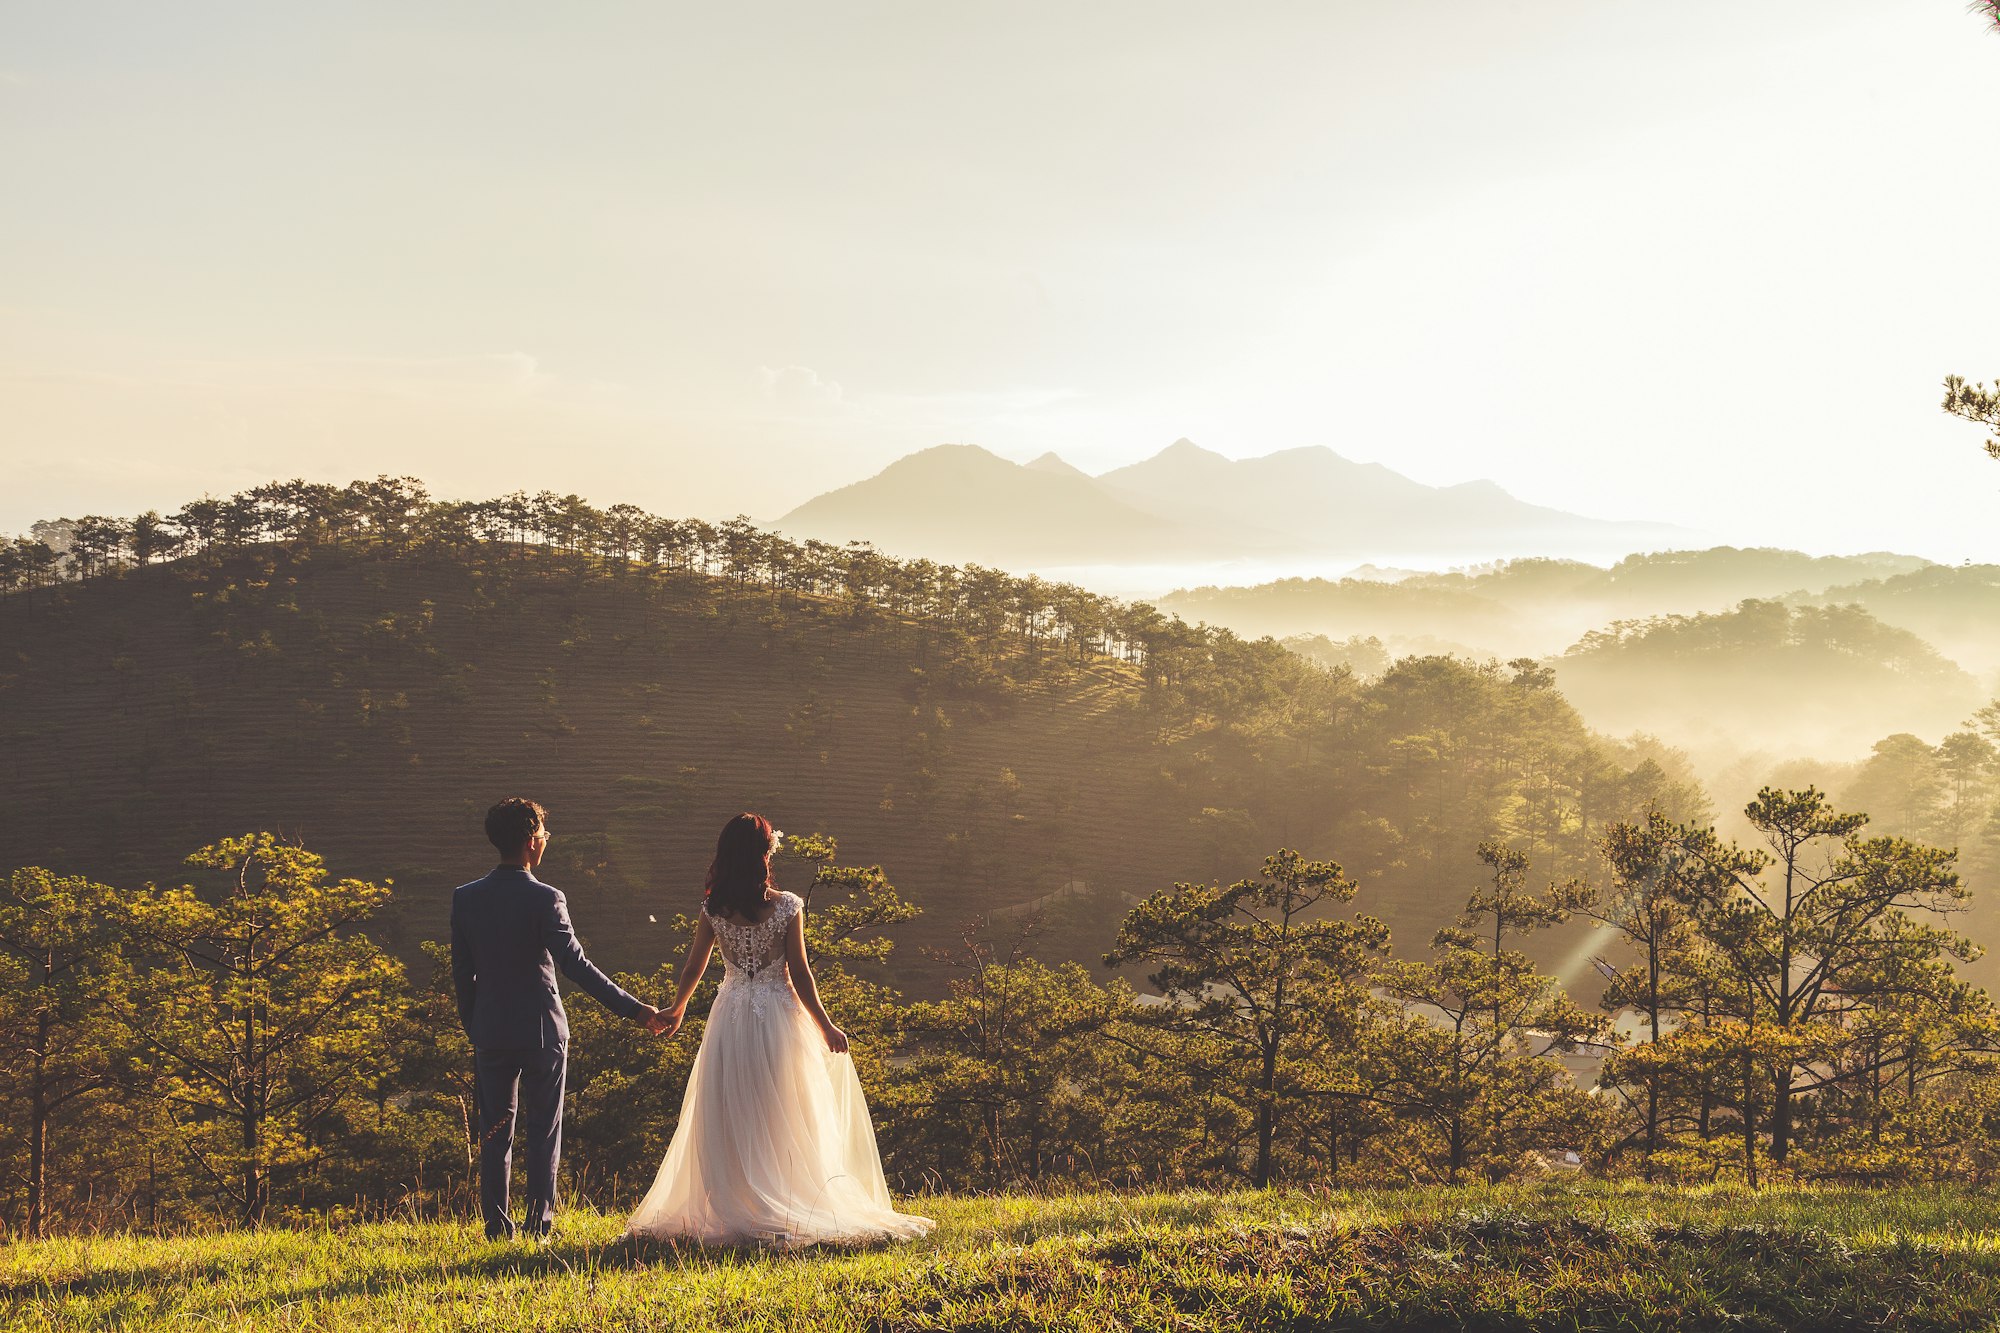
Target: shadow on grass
{"points": [[494, 1259]]}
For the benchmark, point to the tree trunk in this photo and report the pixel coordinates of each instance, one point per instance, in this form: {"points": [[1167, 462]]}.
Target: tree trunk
{"points": [[1265, 1125], [1653, 1016], [38, 1135], [1652, 1122], [256, 1187], [991, 1125], [1708, 1081], [1749, 1120], [1875, 1091], [1781, 1113], [1910, 1091], [253, 1178], [254, 1184]]}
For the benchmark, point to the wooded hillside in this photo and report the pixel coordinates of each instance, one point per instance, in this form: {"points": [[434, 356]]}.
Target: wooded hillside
{"points": [[368, 669]]}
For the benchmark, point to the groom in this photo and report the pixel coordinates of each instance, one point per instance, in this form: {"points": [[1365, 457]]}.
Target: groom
{"points": [[509, 933]]}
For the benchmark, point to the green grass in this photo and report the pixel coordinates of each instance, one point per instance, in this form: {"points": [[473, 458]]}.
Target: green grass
{"points": [[1591, 1257]]}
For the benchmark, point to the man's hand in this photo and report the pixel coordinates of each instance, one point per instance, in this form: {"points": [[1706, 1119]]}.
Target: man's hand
{"points": [[663, 1022]]}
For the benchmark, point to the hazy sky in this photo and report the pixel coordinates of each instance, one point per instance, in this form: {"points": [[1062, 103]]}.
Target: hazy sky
{"points": [[1703, 262]]}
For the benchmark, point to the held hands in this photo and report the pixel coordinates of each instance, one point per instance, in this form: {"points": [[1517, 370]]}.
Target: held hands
{"points": [[665, 1023]]}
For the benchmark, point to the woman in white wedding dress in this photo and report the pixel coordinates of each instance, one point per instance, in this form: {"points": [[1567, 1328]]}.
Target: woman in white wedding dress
{"points": [[774, 1145]]}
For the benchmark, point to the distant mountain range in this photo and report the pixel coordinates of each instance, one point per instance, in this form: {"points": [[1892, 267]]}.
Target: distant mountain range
{"points": [[961, 502]]}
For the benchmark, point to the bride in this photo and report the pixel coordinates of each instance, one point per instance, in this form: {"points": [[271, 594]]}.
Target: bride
{"points": [[774, 1143]]}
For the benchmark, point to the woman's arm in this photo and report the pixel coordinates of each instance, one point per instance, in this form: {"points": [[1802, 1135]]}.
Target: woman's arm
{"points": [[803, 983], [690, 975]]}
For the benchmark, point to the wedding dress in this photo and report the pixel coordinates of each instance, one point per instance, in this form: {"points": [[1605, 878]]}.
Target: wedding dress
{"points": [[774, 1145]]}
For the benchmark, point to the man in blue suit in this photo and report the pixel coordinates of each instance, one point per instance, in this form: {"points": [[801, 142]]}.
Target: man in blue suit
{"points": [[509, 934]]}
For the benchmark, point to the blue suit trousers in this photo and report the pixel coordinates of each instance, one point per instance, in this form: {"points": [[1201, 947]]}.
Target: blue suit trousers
{"points": [[532, 1080]]}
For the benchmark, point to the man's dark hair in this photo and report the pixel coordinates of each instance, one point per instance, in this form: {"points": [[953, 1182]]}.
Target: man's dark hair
{"points": [[511, 823]]}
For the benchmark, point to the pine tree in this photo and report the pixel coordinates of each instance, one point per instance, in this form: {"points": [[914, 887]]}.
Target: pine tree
{"points": [[265, 1008], [60, 974], [1258, 973], [1465, 1056]]}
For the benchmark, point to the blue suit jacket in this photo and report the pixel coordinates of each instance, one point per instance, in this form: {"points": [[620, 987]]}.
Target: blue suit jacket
{"points": [[509, 934]]}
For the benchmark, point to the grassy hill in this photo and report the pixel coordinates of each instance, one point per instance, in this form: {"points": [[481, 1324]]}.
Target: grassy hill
{"points": [[1533, 1258]]}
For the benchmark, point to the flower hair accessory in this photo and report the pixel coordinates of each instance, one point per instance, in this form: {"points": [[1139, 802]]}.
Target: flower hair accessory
{"points": [[777, 841]]}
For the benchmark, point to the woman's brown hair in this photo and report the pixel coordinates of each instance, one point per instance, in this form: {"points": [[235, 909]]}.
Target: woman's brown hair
{"points": [[741, 871]]}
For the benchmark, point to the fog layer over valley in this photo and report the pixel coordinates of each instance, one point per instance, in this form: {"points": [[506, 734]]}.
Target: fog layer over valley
{"points": [[1746, 659], [1538, 607], [1817, 682]]}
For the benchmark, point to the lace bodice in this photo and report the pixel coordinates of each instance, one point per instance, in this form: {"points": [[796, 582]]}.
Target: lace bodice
{"points": [[753, 953]]}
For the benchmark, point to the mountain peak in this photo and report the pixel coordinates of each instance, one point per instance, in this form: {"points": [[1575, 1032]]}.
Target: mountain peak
{"points": [[1052, 462], [1484, 486], [964, 502], [1188, 450], [1313, 452], [1181, 466], [939, 453]]}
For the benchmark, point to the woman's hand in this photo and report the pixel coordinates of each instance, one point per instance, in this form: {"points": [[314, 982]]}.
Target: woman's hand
{"points": [[836, 1040]]}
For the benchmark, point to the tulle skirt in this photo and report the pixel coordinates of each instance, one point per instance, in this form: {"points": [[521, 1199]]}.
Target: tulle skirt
{"points": [[774, 1145]]}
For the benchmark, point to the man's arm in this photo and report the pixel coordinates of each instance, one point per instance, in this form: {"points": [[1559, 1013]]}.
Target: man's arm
{"points": [[463, 976], [559, 937]]}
